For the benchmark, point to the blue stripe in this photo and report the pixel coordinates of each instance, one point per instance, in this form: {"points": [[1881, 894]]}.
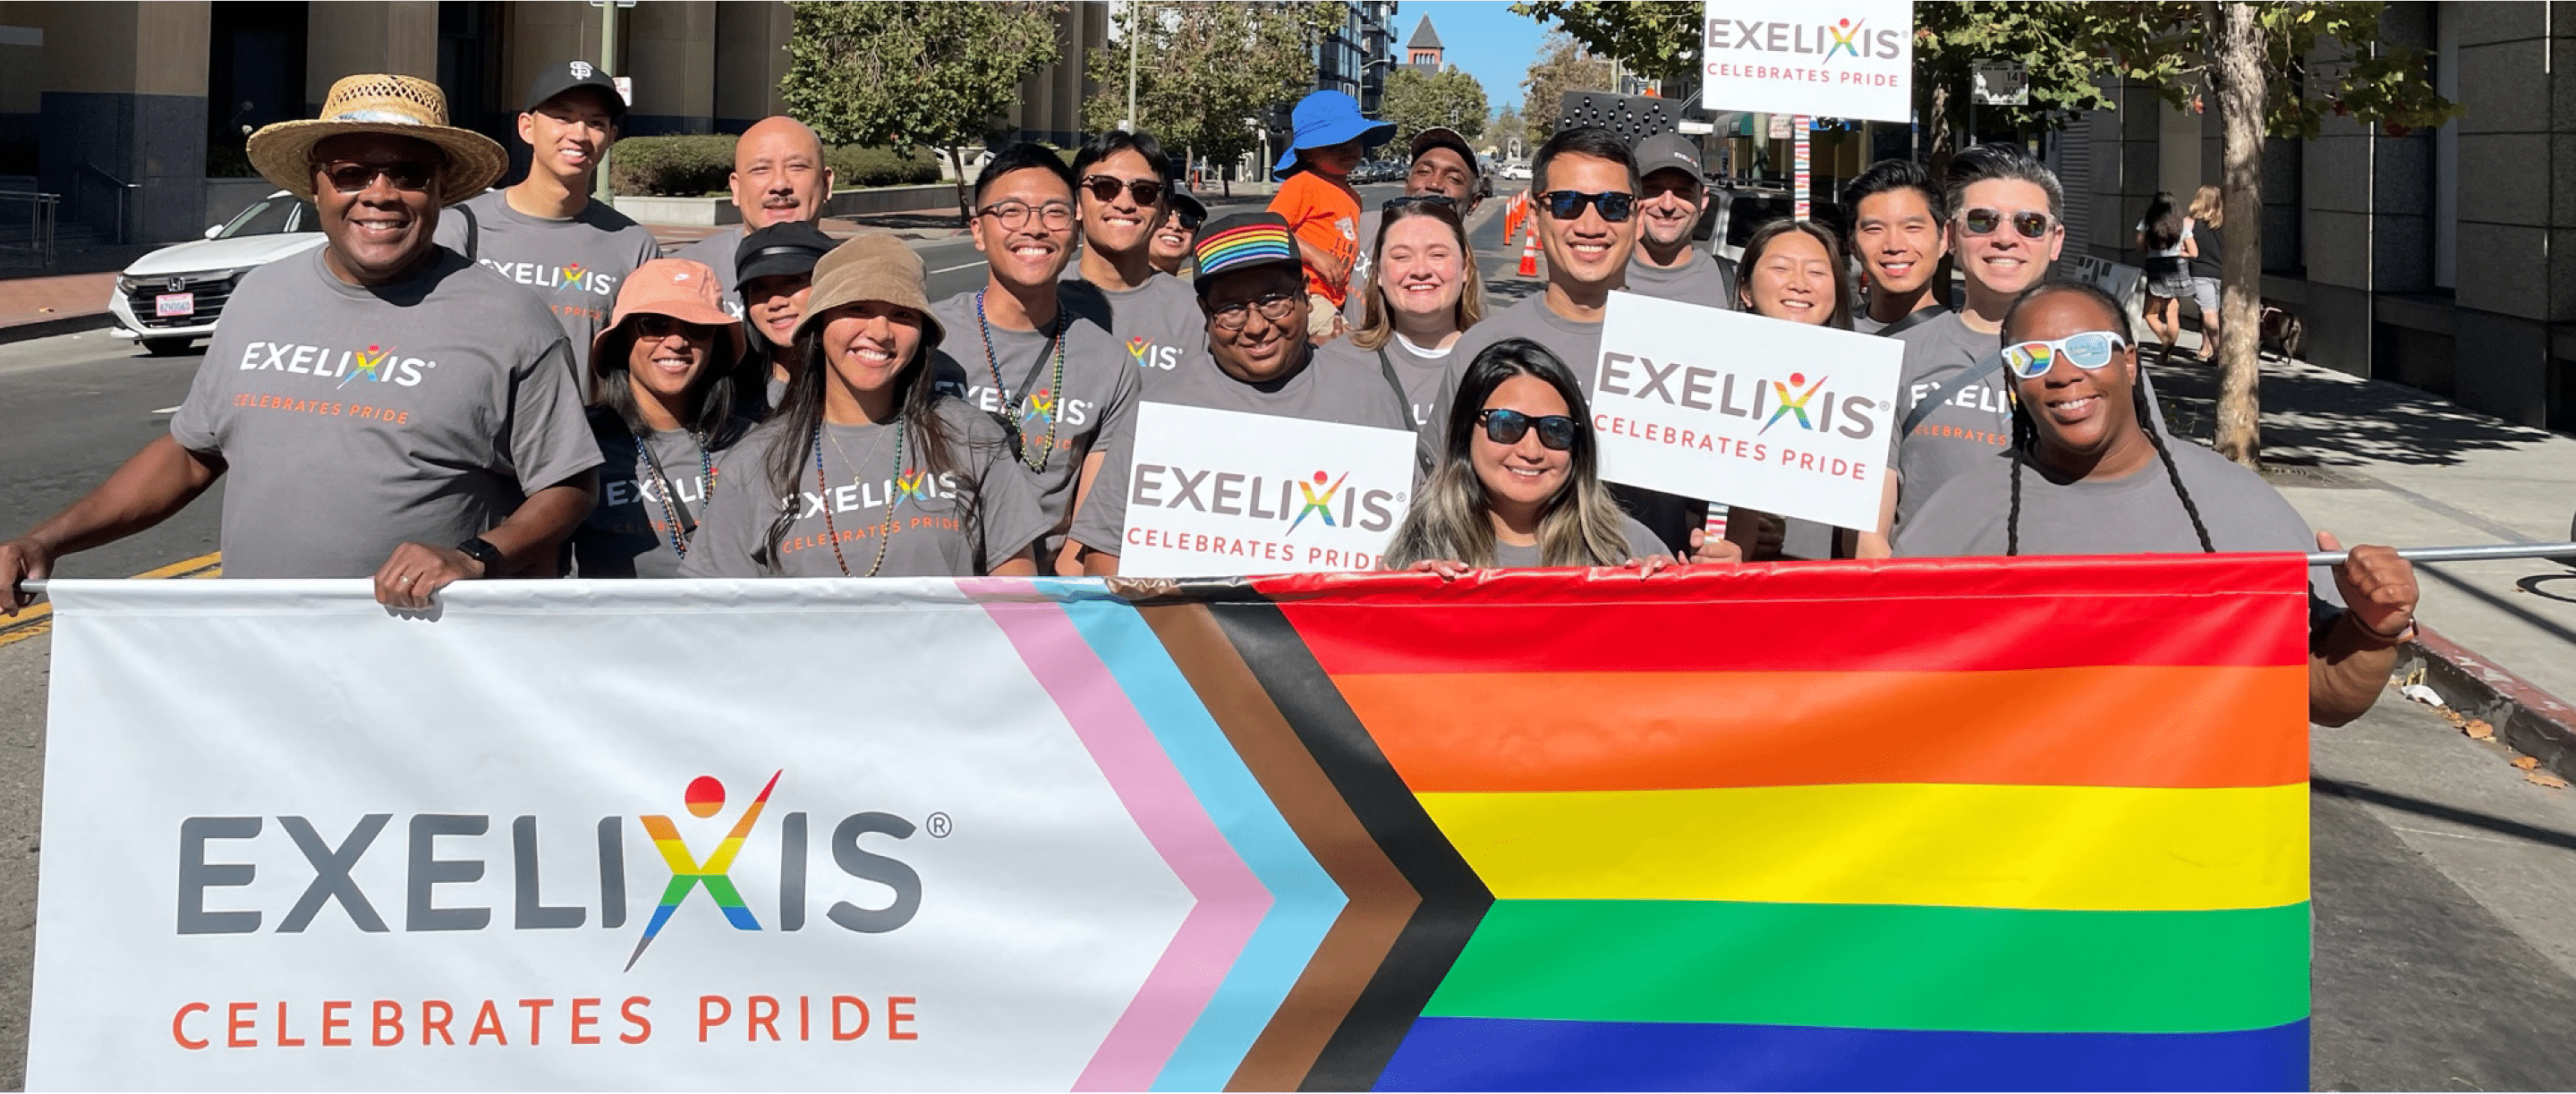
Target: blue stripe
{"points": [[1530, 1054], [1305, 901]]}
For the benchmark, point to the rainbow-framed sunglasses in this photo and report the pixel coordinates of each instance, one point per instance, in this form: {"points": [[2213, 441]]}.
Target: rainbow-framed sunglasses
{"points": [[2087, 350]]}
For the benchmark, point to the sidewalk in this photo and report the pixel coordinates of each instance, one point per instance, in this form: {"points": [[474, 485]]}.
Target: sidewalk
{"points": [[41, 307], [2377, 462]]}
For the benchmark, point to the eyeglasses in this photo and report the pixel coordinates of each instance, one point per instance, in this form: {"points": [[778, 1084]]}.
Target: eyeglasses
{"points": [[2087, 350], [1509, 426], [349, 178], [651, 327], [1442, 200], [1014, 215], [1275, 307], [1105, 188], [1568, 204], [2030, 223]]}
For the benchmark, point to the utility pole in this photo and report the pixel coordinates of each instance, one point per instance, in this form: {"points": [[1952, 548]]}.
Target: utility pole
{"points": [[608, 63], [1133, 7]]}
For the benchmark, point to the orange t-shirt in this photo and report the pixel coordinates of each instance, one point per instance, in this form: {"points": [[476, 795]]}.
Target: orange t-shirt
{"points": [[1324, 212]]}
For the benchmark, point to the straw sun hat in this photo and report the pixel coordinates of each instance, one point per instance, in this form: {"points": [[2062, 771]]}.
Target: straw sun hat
{"points": [[378, 103]]}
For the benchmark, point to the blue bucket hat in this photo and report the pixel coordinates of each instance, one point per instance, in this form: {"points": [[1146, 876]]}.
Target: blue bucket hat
{"points": [[1327, 118]]}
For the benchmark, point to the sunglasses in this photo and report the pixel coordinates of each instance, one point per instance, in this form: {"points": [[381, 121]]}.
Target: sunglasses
{"points": [[650, 327], [1442, 200], [1568, 204], [1509, 426], [2087, 350], [1983, 222], [349, 178], [1105, 188]]}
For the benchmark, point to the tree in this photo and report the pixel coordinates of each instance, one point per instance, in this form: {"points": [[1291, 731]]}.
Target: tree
{"points": [[1212, 73], [2061, 42], [1415, 102], [1562, 66], [1507, 127], [1656, 39], [908, 74]]}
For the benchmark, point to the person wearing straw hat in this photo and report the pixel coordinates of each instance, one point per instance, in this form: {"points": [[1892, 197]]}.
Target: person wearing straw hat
{"points": [[382, 406], [665, 373], [544, 232], [867, 469], [1251, 288], [1317, 199]]}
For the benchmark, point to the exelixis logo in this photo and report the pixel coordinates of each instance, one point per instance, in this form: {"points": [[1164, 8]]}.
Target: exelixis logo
{"points": [[705, 798], [1329, 501], [1842, 37], [1700, 387]]}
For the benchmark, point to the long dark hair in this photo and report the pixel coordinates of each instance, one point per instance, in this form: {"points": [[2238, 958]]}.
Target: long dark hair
{"points": [[1840, 317], [2164, 224], [1377, 321], [2026, 431], [709, 411], [1581, 526], [931, 447]]}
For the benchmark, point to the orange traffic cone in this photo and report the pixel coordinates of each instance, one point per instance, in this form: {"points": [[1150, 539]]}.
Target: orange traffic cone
{"points": [[1529, 254]]}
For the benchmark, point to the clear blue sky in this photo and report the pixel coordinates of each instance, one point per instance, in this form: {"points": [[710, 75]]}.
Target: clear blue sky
{"points": [[1484, 38]]}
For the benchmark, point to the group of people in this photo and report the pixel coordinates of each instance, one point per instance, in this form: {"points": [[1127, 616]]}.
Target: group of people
{"points": [[2181, 246], [466, 383]]}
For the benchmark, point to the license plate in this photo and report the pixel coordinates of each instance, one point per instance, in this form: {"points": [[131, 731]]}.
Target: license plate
{"points": [[174, 303]]}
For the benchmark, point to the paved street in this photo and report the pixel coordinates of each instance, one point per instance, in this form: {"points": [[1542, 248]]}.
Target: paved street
{"points": [[2443, 879]]}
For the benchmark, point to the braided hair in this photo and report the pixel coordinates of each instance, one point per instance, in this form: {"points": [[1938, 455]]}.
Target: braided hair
{"points": [[2025, 439]]}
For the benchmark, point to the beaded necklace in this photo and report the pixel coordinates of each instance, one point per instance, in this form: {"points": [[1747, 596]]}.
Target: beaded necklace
{"points": [[822, 483], [1056, 386], [670, 510]]}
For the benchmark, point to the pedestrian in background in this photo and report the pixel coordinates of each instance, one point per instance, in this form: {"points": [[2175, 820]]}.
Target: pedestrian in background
{"points": [[2208, 214], [2164, 238], [1423, 292], [779, 175], [665, 373], [1316, 199]]}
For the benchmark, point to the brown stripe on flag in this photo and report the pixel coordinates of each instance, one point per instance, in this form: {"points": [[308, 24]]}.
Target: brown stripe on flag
{"points": [[1381, 901]]}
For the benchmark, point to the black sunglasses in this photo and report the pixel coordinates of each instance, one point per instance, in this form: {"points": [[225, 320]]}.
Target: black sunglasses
{"points": [[1442, 200], [349, 178], [1568, 204], [1509, 426], [2030, 223], [1105, 188]]}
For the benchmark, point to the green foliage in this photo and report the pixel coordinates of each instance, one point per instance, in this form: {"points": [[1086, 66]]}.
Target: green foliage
{"points": [[1562, 66], [2059, 41], [690, 165], [2321, 58], [1206, 67], [1656, 39], [910, 73], [1415, 102], [1506, 125]]}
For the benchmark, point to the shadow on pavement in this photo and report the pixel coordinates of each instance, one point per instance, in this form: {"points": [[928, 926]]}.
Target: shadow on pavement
{"points": [[2324, 416], [2511, 829]]}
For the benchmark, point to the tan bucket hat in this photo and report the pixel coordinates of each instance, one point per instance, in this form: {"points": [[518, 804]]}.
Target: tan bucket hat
{"points": [[872, 266], [405, 106], [681, 289]]}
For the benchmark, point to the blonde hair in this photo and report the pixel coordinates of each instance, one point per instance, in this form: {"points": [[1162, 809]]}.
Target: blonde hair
{"points": [[1377, 321], [2209, 206]]}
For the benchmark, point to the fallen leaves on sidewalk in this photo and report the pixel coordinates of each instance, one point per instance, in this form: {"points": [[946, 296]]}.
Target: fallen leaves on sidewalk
{"points": [[2543, 778], [2478, 729], [2526, 762]]}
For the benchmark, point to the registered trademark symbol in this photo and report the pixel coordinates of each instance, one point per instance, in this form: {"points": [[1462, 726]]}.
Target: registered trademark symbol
{"points": [[1885, 405], [940, 826]]}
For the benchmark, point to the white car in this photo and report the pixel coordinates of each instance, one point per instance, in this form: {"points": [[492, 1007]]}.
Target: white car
{"points": [[174, 295], [1516, 172]]}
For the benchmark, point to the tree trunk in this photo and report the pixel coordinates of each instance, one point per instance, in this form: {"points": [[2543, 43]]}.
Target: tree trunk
{"points": [[965, 194], [1940, 142], [2236, 67]]}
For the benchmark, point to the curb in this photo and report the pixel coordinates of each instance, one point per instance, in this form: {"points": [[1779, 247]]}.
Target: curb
{"points": [[62, 324], [2534, 722]]}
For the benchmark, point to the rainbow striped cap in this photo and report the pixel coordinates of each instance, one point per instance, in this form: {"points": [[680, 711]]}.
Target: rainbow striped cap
{"points": [[1243, 241]]}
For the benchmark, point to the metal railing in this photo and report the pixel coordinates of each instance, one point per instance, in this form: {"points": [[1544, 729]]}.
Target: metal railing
{"points": [[41, 212], [124, 192]]}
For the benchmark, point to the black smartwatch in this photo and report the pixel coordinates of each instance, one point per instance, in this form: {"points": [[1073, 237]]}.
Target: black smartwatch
{"points": [[482, 551]]}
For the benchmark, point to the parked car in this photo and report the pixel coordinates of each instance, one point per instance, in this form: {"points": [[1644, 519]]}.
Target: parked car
{"points": [[1516, 172], [173, 296]]}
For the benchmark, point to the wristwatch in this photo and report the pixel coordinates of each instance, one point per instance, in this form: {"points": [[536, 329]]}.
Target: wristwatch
{"points": [[482, 551]]}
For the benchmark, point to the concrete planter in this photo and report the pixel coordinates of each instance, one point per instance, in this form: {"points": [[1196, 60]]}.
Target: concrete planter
{"points": [[718, 211]]}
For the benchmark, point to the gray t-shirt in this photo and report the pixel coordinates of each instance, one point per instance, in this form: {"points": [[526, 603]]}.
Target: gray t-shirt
{"points": [[1158, 324], [1698, 281], [1098, 391], [574, 264], [1425, 378], [628, 532], [717, 252], [958, 525], [1671, 516], [1314, 393], [355, 420], [1641, 543], [2136, 514]]}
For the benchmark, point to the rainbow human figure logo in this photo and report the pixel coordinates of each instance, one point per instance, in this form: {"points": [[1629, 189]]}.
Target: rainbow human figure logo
{"points": [[371, 364], [705, 798], [912, 485], [1846, 36], [1319, 505], [1041, 406], [1793, 404]]}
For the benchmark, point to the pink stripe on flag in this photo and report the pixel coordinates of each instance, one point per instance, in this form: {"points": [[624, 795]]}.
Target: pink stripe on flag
{"points": [[1230, 900]]}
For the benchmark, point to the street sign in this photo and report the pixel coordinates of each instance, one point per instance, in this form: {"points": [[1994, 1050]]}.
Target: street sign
{"points": [[1778, 130], [2000, 83], [1847, 59]]}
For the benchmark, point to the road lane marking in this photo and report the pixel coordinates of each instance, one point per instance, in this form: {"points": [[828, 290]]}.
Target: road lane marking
{"points": [[954, 269], [40, 618], [167, 410]]}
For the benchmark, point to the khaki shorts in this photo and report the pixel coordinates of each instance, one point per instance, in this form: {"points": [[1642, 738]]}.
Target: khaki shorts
{"points": [[1322, 317]]}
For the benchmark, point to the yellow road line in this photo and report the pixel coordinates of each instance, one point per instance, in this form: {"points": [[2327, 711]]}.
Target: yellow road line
{"points": [[40, 618]]}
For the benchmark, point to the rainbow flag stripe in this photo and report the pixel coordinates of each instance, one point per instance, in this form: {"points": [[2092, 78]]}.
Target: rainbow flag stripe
{"points": [[1259, 242]]}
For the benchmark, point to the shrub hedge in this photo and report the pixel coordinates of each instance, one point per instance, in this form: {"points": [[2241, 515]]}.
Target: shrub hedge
{"points": [[695, 164]]}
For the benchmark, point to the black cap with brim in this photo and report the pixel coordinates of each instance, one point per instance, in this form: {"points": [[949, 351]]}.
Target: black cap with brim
{"points": [[555, 79], [1188, 204], [1441, 136], [788, 247]]}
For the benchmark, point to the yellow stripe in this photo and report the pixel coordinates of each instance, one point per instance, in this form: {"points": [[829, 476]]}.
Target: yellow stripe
{"points": [[2071, 847], [39, 619]]}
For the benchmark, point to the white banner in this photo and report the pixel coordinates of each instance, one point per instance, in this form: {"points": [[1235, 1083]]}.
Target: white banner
{"points": [[1219, 493], [1742, 410], [1839, 58], [581, 836]]}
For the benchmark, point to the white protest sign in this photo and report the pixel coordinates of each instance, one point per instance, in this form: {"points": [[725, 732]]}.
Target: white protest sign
{"points": [[1837, 58], [1742, 410], [1220, 493]]}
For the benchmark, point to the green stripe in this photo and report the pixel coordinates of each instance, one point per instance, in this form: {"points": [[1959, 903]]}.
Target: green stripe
{"points": [[2003, 970]]}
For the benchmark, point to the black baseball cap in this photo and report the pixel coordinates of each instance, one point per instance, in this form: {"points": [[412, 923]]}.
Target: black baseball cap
{"points": [[1441, 136], [555, 79], [788, 247], [1187, 203]]}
